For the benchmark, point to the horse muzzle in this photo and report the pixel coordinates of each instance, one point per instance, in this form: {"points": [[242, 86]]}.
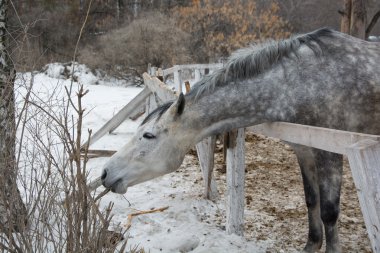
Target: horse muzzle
{"points": [[116, 185]]}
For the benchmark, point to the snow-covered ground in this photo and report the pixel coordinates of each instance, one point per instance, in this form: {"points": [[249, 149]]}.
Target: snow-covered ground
{"points": [[188, 224]]}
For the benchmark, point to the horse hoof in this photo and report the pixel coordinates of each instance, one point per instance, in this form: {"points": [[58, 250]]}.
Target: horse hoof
{"points": [[336, 249], [312, 247]]}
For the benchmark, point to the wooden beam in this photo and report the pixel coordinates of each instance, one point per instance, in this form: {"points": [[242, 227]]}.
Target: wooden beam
{"points": [[137, 113], [205, 150], [197, 75], [159, 88], [177, 80], [364, 159], [317, 137], [200, 66], [160, 74], [191, 66], [94, 153], [120, 117], [235, 182], [187, 86], [169, 71]]}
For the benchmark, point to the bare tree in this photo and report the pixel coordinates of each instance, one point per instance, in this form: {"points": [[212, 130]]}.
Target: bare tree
{"points": [[12, 210], [346, 17], [307, 15], [358, 18]]}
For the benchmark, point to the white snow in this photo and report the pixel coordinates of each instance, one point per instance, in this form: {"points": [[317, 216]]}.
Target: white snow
{"points": [[188, 225], [82, 74]]}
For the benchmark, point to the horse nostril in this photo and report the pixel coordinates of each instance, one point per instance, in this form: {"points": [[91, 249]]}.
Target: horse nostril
{"points": [[104, 175]]}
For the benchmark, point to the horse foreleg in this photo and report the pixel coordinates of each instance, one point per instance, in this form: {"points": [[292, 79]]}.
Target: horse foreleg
{"points": [[330, 168], [310, 181]]}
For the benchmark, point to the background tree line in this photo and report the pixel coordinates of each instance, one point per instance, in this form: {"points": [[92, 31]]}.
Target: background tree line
{"points": [[126, 35]]}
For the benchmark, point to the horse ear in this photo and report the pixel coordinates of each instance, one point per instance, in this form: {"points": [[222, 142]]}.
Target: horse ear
{"points": [[179, 105]]}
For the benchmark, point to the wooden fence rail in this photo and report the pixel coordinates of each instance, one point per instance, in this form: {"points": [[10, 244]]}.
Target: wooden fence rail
{"points": [[198, 70], [121, 116]]}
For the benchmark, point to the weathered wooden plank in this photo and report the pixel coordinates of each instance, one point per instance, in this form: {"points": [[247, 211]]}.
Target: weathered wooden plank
{"points": [[187, 86], [200, 66], [152, 71], [99, 152], [159, 88], [205, 150], [119, 118], [169, 71], [177, 80], [160, 74], [322, 138], [197, 75], [176, 68], [364, 159], [137, 113], [235, 182]]}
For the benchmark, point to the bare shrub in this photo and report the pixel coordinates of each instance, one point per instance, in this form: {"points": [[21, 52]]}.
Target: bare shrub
{"points": [[63, 215], [219, 27], [152, 38], [43, 33]]}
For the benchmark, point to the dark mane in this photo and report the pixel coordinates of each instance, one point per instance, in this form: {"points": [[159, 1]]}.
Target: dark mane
{"points": [[251, 61], [157, 113]]}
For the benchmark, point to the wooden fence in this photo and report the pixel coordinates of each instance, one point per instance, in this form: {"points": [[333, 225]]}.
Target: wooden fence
{"points": [[362, 150]]}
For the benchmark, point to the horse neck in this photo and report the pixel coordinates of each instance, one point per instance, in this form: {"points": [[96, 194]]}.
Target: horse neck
{"points": [[235, 105]]}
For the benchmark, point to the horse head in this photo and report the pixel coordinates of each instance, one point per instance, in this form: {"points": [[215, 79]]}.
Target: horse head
{"points": [[157, 148]]}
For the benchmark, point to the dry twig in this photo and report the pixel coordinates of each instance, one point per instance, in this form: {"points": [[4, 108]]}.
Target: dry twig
{"points": [[131, 215]]}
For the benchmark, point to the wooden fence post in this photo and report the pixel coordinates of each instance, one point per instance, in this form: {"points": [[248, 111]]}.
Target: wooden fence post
{"points": [[197, 75], [152, 71], [152, 102], [177, 80], [187, 86], [205, 150], [160, 74], [364, 159], [235, 181]]}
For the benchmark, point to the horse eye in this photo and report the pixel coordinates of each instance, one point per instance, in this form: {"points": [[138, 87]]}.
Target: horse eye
{"points": [[149, 136]]}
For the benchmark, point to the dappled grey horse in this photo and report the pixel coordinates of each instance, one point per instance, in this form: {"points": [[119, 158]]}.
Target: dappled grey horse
{"points": [[324, 78]]}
